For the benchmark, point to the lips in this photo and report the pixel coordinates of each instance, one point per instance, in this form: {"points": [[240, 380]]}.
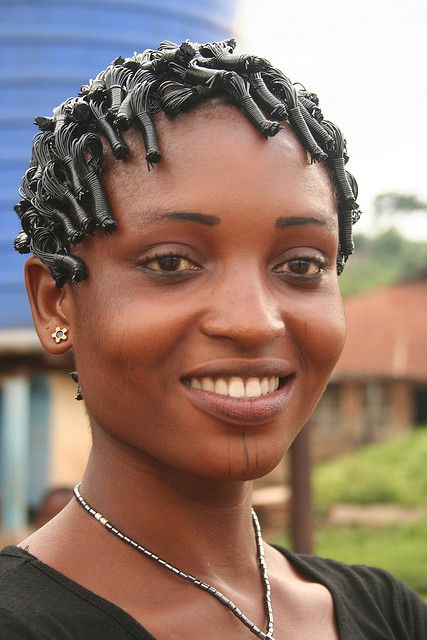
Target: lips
{"points": [[241, 410]]}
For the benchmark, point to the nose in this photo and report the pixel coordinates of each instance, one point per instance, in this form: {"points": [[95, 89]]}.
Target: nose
{"points": [[244, 310]]}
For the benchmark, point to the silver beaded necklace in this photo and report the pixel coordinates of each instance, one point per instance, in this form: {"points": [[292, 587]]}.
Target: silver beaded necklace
{"points": [[268, 635]]}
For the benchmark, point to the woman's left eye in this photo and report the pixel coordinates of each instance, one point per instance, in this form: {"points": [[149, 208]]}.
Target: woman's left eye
{"points": [[171, 262], [303, 267]]}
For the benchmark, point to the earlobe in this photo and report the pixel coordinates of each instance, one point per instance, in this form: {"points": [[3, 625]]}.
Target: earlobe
{"points": [[51, 307]]}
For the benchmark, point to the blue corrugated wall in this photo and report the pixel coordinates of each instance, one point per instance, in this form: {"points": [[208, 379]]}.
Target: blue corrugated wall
{"points": [[47, 50]]}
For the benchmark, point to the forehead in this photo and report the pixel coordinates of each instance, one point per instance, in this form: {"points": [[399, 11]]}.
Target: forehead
{"points": [[214, 160]]}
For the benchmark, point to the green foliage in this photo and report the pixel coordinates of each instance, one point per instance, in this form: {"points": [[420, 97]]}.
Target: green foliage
{"points": [[390, 203], [400, 549], [381, 261], [391, 472]]}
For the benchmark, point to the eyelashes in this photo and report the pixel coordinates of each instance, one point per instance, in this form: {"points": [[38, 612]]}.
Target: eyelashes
{"points": [[169, 264], [307, 267], [178, 265]]}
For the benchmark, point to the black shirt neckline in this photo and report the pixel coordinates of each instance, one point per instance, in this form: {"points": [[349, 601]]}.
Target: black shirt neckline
{"points": [[140, 632]]}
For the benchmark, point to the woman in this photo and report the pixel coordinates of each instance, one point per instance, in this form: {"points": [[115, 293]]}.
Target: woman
{"points": [[205, 324]]}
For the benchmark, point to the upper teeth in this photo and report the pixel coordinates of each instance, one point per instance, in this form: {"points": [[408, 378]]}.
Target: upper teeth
{"points": [[237, 387]]}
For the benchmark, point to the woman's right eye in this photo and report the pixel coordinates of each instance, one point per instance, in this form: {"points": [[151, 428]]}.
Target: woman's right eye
{"points": [[169, 263]]}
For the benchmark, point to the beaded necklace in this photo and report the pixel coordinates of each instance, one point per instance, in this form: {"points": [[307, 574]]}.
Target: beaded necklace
{"points": [[268, 635]]}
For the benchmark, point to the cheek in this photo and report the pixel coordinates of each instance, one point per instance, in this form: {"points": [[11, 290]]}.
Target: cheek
{"points": [[126, 345], [328, 333], [318, 328]]}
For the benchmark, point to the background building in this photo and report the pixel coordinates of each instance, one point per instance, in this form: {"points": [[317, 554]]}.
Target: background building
{"points": [[379, 387]]}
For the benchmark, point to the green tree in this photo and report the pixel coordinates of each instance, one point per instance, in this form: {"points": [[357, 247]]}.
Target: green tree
{"points": [[391, 203], [381, 260]]}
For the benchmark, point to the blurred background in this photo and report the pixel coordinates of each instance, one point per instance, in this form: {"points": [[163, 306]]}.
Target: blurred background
{"points": [[366, 498]]}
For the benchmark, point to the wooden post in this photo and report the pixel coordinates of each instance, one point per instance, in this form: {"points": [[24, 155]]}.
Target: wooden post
{"points": [[302, 519]]}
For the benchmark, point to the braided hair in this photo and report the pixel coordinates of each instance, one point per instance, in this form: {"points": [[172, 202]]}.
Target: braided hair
{"points": [[62, 195]]}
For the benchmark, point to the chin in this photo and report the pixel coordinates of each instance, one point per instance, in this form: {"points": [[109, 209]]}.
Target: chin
{"points": [[247, 460]]}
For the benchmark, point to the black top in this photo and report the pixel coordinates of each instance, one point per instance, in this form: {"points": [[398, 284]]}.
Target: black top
{"points": [[39, 603]]}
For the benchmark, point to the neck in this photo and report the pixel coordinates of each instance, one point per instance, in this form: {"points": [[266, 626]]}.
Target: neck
{"points": [[203, 525]]}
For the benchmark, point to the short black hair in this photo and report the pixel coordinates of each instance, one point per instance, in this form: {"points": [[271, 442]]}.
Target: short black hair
{"points": [[62, 195]]}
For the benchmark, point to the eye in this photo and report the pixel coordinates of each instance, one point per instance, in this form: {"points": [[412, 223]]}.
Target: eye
{"points": [[303, 267], [170, 262]]}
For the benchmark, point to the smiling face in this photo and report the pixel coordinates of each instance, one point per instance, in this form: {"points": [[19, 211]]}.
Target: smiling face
{"points": [[222, 268]]}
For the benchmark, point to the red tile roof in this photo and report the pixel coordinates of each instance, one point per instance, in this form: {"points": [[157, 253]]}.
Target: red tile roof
{"points": [[386, 333]]}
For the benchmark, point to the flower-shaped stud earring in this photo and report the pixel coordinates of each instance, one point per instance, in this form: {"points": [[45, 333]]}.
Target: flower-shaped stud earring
{"points": [[59, 334]]}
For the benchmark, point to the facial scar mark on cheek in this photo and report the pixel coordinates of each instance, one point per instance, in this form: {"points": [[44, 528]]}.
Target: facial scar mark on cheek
{"points": [[245, 453]]}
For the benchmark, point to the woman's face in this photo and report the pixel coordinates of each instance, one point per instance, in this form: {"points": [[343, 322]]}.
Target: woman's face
{"points": [[245, 287]]}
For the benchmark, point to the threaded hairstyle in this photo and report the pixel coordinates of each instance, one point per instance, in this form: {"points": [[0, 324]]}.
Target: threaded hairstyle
{"points": [[62, 195]]}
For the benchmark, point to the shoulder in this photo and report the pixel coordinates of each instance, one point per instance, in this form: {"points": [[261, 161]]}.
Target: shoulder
{"points": [[366, 592], [14, 571], [37, 602], [13, 627], [16, 587], [31, 599]]}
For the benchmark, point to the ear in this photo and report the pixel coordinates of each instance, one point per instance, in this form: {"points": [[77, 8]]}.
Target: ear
{"points": [[51, 307]]}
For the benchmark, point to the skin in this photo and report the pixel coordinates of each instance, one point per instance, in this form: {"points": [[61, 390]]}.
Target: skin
{"points": [[167, 473], [52, 504]]}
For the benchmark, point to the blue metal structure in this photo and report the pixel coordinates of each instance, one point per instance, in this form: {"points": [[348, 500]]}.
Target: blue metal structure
{"points": [[47, 50], [14, 452], [24, 448]]}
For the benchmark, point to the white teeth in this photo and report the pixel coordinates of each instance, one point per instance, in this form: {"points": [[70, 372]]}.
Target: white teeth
{"points": [[208, 384], [272, 384], [221, 387], [237, 387], [252, 388], [264, 386]]}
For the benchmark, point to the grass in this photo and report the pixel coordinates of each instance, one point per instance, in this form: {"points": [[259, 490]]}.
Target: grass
{"points": [[400, 549], [393, 472], [390, 472]]}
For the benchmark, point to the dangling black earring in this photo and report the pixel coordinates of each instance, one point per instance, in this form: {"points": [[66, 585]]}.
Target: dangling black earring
{"points": [[75, 378]]}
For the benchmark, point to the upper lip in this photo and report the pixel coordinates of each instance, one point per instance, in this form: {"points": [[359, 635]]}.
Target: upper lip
{"points": [[242, 368]]}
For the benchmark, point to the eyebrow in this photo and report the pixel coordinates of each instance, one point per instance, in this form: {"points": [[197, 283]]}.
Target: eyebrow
{"points": [[300, 220], [212, 221], [201, 218], [290, 221]]}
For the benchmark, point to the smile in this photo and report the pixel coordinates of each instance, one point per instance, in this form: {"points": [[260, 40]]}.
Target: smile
{"points": [[240, 400], [237, 387]]}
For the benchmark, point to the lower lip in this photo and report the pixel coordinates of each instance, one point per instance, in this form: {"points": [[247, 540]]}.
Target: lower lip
{"points": [[241, 410]]}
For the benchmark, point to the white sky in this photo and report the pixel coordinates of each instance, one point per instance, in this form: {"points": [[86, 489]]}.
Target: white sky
{"points": [[367, 61]]}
